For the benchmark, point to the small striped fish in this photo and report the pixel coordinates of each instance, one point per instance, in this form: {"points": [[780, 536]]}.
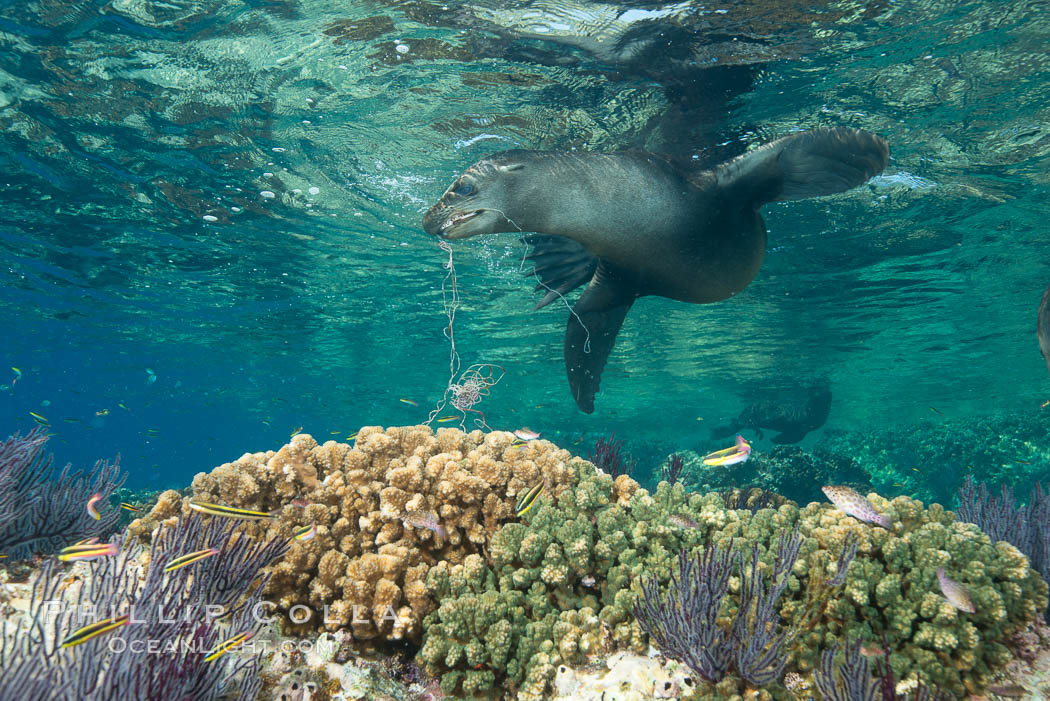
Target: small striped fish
{"points": [[528, 499], [189, 559], [106, 625], [229, 511]]}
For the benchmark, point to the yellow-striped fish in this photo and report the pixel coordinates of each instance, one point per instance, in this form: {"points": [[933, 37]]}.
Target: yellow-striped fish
{"points": [[446, 419], [228, 645], [82, 635], [189, 559], [39, 419], [88, 551], [296, 432], [730, 456], [352, 436], [95, 498], [528, 499], [129, 507], [306, 532], [102, 412], [228, 511], [408, 402]]}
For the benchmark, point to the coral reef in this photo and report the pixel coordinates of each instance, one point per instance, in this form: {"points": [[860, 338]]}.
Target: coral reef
{"points": [[785, 470], [929, 460], [753, 499], [43, 509], [365, 568], [175, 619], [500, 603]]}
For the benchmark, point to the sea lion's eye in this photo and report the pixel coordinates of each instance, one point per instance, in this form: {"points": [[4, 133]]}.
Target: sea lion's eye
{"points": [[464, 190]]}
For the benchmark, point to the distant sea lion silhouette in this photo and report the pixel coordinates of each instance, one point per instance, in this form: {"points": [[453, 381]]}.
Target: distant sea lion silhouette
{"points": [[632, 224], [1042, 329], [794, 419]]}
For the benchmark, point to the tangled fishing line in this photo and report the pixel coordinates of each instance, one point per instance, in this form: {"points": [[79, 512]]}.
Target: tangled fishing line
{"points": [[465, 392]]}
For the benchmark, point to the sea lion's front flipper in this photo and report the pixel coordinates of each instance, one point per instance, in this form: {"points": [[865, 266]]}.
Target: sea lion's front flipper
{"points": [[591, 331], [808, 164], [560, 264]]}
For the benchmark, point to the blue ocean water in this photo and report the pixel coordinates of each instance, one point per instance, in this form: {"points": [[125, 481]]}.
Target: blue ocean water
{"points": [[210, 217]]}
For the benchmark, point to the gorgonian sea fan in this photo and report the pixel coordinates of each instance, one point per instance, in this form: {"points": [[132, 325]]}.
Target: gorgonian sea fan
{"points": [[43, 509], [178, 617], [684, 624], [607, 457], [1026, 527]]}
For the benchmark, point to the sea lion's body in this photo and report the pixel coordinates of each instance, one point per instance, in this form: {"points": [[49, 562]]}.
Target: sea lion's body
{"points": [[793, 416], [1042, 329], [633, 224]]}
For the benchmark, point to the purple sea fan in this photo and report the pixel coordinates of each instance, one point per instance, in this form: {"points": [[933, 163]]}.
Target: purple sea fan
{"points": [[684, 625], [606, 456], [162, 653], [671, 471], [42, 509], [1027, 528], [849, 681]]}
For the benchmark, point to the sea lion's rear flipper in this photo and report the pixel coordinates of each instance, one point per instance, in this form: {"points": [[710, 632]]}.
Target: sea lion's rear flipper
{"points": [[808, 164], [560, 264], [591, 331], [791, 435], [723, 431]]}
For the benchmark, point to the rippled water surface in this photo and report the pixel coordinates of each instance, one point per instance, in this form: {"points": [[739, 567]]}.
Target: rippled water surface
{"points": [[211, 214]]}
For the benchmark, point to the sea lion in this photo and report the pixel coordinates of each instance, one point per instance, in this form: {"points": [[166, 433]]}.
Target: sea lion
{"points": [[793, 416], [633, 223], [1042, 327]]}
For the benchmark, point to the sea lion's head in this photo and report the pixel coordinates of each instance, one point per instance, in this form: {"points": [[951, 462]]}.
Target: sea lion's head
{"points": [[486, 199]]}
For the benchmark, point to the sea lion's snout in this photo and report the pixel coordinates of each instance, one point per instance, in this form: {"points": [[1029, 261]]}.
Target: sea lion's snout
{"points": [[447, 222]]}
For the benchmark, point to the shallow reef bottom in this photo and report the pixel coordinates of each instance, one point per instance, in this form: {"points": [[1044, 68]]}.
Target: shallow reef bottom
{"points": [[411, 570]]}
